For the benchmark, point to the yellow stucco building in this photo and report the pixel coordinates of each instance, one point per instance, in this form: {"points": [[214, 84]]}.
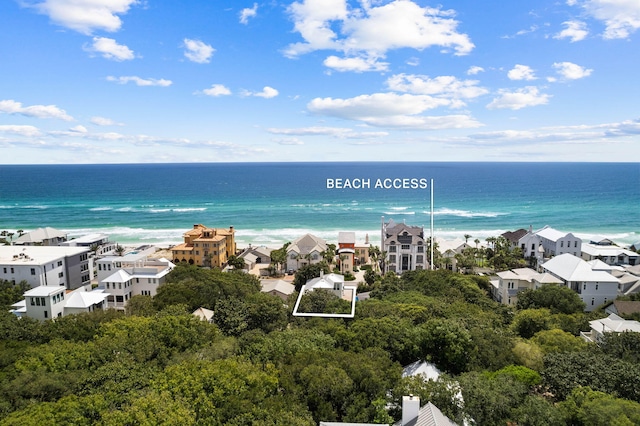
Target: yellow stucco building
{"points": [[205, 246]]}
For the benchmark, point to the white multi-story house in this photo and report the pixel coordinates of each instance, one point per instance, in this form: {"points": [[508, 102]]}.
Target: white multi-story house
{"points": [[611, 324], [405, 247], [609, 254], [595, 288], [552, 241], [306, 250], [48, 302], [56, 266], [125, 280], [509, 283]]}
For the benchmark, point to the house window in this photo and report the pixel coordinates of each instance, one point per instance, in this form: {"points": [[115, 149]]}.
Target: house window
{"points": [[419, 259], [406, 247], [392, 258], [33, 271], [596, 286], [61, 274], [561, 243], [5, 270], [533, 247], [392, 249], [46, 314], [420, 249], [60, 263], [12, 270], [33, 302], [575, 244], [584, 286], [593, 301]]}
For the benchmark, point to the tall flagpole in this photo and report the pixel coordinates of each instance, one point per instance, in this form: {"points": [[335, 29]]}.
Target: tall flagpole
{"points": [[432, 241]]}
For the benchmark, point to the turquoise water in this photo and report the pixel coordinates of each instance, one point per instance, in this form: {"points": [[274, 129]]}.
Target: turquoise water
{"points": [[271, 203]]}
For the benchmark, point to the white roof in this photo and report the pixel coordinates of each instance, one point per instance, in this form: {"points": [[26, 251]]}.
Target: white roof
{"points": [[613, 323], [204, 314], [551, 234], [280, 286], [37, 255], [44, 290], [596, 250], [41, 234], [572, 268], [324, 281], [85, 299], [346, 237], [120, 276]]}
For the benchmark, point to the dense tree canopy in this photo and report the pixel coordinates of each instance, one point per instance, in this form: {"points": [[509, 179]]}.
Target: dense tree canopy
{"points": [[258, 365]]}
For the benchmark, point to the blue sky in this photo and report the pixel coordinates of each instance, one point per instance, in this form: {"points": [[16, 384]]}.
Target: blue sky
{"points": [[131, 81]]}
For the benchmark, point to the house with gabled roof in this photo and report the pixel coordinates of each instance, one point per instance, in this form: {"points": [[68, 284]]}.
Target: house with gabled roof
{"points": [[49, 302], [404, 245], [306, 250], [509, 283], [611, 324], [552, 241], [595, 288], [610, 254], [46, 236]]}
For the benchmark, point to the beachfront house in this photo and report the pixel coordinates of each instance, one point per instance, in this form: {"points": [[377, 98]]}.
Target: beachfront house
{"points": [[346, 251], [404, 245], [595, 287], [552, 241], [204, 246], [41, 237], [306, 250], [56, 266], [609, 253]]}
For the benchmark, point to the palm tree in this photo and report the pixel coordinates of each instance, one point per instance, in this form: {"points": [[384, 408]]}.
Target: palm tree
{"points": [[119, 250], [466, 238]]}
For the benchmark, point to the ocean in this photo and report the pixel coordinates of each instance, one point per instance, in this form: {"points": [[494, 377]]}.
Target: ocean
{"points": [[272, 203]]}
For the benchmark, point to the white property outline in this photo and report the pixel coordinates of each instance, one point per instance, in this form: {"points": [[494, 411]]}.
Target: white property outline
{"points": [[353, 289]]}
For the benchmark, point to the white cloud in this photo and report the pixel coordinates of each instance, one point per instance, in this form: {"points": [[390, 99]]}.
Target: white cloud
{"points": [[474, 70], [247, 13], [583, 134], [38, 111], [140, 81], [575, 31], [571, 71], [521, 98], [267, 92], [86, 16], [355, 64], [337, 132], [110, 49], [102, 121], [289, 141], [621, 17], [78, 129], [391, 110], [20, 130], [447, 87], [198, 51], [217, 90], [370, 31], [521, 72]]}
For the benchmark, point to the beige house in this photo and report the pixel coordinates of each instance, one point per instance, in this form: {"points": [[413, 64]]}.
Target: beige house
{"points": [[204, 246]]}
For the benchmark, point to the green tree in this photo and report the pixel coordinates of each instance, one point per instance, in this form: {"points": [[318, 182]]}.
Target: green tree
{"points": [[308, 272], [446, 343], [236, 261], [140, 305], [556, 298], [530, 321], [587, 407]]}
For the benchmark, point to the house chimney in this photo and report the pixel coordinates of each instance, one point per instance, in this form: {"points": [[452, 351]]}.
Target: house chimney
{"points": [[410, 408]]}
